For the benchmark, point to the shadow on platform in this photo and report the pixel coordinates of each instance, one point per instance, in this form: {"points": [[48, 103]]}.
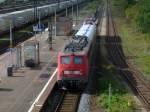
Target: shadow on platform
{"points": [[17, 76], [6, 89]]}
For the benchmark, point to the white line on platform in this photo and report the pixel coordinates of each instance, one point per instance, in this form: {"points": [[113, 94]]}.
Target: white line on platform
{"points": [[32, 106]]}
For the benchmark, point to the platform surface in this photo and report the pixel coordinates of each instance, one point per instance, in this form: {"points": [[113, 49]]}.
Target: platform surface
{"points": [[18, 92]]}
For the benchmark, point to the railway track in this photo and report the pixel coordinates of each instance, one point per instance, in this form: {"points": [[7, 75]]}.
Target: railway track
{"points": [[25, 35], [134, 78], [17, 7], [68, 101]]}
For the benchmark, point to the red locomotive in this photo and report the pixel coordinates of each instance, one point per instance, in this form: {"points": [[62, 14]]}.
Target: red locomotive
{"points": [[74, 59]]}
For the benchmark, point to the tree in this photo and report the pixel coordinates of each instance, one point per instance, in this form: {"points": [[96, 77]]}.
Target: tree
{"points": [[131, 2], [143, 16]]}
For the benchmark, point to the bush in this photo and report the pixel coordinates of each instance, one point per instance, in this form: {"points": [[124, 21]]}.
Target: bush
{"points": [[120, 100], [119, 6], [131, 13], [143, 16]]}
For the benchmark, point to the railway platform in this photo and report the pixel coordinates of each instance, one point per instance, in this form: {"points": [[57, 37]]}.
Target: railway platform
{"points": [[18, 92]]}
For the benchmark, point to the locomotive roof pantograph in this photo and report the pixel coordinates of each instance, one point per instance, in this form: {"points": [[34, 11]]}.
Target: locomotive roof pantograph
{"points": [[82, 38]]}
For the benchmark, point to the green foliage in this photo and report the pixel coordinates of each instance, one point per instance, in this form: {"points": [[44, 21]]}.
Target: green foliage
{"points": [[137, 19], [130, 35], [93, 5], [131, 2], [121, 101], [137, 12], [120, 3], [143, 17], [118, 103], [131, 13], [119, 6]]}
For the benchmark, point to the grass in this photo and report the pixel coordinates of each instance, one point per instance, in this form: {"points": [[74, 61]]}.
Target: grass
{"points": [[135, 44], [121, 100], [93, 5]]}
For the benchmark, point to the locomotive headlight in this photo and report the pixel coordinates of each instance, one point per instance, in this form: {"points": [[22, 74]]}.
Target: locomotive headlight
{"points": [[72, 72], [66, 72], [77, 72]]}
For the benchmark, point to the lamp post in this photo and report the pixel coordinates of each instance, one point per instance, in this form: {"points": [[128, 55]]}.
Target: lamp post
{"points": [[55, 21], [35, 9], [11, 43], [11, 24], [39, 18], [10, 34], [77, 12], [58, 3], [39, 23], [72, 9], [66, 9], [50, 34]]}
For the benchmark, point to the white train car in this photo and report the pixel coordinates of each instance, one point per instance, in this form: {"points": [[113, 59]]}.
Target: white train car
{"points": [[20, 18]]}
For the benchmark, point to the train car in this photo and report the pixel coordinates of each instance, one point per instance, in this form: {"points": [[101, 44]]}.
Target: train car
{"points": [[74, 58], [20, 18]]}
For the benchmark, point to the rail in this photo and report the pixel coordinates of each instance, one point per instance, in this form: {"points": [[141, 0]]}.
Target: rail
{"points": [[17, 7], [134, 79], [68, 102]]}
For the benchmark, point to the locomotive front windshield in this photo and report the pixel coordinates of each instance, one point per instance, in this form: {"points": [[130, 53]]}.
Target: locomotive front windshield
{"points": [[78, 60], [65, 60]]}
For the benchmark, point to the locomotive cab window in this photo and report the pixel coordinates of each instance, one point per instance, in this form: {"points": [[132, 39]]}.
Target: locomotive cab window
{"points": [[78, 60], [65, 60]]}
